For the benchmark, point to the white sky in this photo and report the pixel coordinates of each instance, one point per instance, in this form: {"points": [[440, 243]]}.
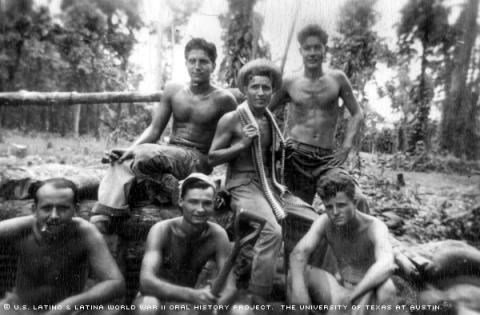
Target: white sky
{"points": [[278, 15], [278, 18]]}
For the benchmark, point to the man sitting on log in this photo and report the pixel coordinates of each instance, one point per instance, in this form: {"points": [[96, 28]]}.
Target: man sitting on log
{"points": [[195, 108], [312, 118], [246, 138], [362, 249], [177, 249], [55, 251]]}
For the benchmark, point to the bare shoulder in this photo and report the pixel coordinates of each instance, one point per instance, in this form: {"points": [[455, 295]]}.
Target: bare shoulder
{"points": [[225, 98], [14, 226], [229, 119], [289, 79], [161, 227], [20, 222], [86, 229], [338, 75], [374, 225], [218, 232], [172, 88]]}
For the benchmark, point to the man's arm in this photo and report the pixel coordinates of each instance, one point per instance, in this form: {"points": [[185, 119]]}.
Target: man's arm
{"points": [[384, 265], [280, 97], [221, 150], [346, 93], [12, 229], [160, 117], [223, 250], [110, 283], [299, 258]]}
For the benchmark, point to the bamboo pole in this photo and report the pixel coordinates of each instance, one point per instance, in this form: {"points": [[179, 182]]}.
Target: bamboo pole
{"points": [[71, 98], [289, 38]]}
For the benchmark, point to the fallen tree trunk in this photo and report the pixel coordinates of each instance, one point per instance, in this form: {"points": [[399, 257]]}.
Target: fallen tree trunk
{"points": [[71, 98]]}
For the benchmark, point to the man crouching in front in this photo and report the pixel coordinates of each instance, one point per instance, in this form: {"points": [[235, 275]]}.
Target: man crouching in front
{"points": [[361, 247], [177, 250], [55, 252]]}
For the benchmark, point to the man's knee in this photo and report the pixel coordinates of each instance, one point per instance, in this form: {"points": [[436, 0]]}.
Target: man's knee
{"points": [[145, 304], [386, 292]]}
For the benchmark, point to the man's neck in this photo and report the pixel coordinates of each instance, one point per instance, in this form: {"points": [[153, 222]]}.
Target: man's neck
{"points": [[349, 229], [190, 230], [313, 73], [200, 88], [257, 112]]}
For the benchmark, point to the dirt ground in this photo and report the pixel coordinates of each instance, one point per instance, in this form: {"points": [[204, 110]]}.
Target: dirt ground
{"points": [[431, 206]]}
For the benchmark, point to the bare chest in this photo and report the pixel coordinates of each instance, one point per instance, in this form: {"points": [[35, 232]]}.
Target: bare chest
{"points": [[50, 263], [320, 94], [183, 256], [356, 252], [198, 109]]}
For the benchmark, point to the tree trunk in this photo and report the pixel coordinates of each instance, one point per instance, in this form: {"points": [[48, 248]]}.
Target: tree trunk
{"points": [[457, 108], [76, 120]]}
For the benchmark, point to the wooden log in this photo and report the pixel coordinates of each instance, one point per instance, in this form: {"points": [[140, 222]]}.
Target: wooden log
{"points": [[71, 98], [17, 182]]}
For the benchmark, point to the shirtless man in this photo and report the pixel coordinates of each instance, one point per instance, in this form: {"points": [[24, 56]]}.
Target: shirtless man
{"points": [[195, 108], [177, 250], [313, 114], [55, 252], [360, 244], [233, 143]]}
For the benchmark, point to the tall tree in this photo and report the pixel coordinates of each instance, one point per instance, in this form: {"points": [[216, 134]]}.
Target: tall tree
{"points": [[461, 104], [85, 49], [424, 22], [242, 36], [356, 51]]}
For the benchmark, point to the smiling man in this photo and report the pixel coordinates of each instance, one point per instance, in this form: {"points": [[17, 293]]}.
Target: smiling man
{"points": [[178, 249], [242, 135], [195, 108], [360, 244], [313, 113], [55, 251]]}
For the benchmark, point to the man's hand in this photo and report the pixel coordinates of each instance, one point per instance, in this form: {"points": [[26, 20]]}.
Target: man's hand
{"points": [[203, 296], [119, 155], [249, 133], [339, 157]]}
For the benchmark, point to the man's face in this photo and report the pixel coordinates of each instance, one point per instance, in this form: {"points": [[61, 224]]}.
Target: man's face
{"points": [[199, 66], [313, 52], [197, 205], [259, 92], [54, 210], [340, 209]]}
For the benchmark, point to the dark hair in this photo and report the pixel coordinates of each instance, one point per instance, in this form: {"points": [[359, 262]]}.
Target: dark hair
{"points": [[192, 184], [264, 72], [312, 30], [336, 182], [200, 43], [60, 183]]}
